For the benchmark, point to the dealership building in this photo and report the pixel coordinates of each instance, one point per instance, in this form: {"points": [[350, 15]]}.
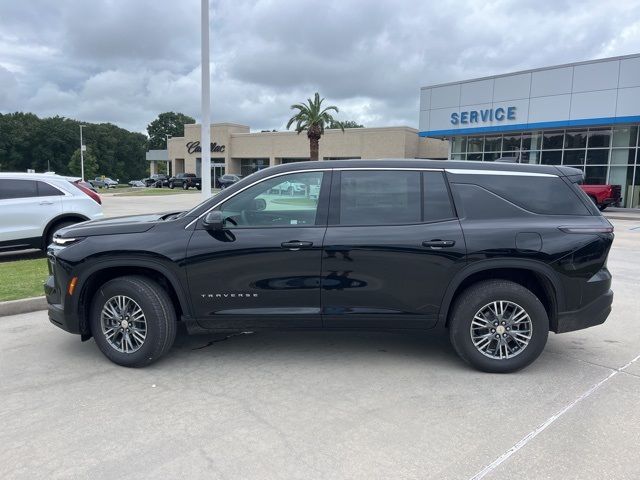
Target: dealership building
{"points": [[235, 149], [585, 115]]}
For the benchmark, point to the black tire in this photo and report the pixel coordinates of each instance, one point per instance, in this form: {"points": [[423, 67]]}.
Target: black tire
{"points": [[602, 207], [472, 300], [52, 231], [159, 312], [185, 186], [171, 185]]}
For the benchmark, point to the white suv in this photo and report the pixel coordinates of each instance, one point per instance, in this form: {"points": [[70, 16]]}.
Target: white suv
{"points": [[34, 206]]}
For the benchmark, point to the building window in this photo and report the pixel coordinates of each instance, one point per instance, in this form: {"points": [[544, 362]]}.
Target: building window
{"points": [[575, 139], [599, 138], [252, 165], [552, 140], [294, 159], [625, 136], [551, 157]]}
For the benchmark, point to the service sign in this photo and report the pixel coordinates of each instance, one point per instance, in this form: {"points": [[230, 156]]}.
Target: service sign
{"points": [[487, 115]]}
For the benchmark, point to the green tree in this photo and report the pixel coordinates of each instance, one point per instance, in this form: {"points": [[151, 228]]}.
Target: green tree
{"points": [[90, 165], [27, 141], [345, 124], [314, 119], [167, 123]]}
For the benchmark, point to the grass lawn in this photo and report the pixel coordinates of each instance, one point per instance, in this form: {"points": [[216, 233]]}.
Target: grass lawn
{"points": [[22, 279]]}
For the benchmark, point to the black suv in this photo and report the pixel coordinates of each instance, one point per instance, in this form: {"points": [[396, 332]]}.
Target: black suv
{"points": [[497, 253]]}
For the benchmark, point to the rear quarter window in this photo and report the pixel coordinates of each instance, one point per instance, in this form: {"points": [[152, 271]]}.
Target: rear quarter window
{"points": [[542, 195], [46, 190]]}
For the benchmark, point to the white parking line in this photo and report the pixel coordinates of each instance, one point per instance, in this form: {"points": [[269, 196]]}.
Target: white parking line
{"points": [[534, 433]]}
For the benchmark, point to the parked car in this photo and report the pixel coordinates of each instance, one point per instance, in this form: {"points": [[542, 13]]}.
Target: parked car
{"points": [[227, 180], [137, 184], [86, 187], [290, 188], [34, 206], [157, 180], [499, 254], [185, 180], [106, 182], [604, 195]]}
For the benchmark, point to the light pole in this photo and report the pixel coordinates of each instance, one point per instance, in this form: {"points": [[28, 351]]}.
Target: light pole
{"points": [[205, 132], [82, 149], [167, 136]]}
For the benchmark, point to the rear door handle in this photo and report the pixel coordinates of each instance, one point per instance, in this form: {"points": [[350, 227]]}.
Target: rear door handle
{"points": [[439, 243], [296, 244]]}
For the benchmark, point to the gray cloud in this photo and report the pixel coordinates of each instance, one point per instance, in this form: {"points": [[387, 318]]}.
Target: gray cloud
{"points": [[126, 61]]}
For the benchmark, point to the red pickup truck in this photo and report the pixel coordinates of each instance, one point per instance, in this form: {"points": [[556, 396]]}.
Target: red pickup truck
{"points": [[604, 195]]}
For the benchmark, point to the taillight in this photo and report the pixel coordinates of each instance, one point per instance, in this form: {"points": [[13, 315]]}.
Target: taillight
{"points": [[94, 196], [587, 229]]}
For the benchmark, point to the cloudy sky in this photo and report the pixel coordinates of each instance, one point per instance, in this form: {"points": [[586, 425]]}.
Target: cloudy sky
{"points": [[125, 61]]}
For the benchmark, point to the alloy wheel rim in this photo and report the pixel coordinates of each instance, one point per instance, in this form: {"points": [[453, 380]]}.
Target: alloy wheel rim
{"points": [[123, 323], [501, 330]]}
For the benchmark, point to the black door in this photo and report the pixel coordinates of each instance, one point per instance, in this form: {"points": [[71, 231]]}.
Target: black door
{"points": [[263, 269], [392, 246]]}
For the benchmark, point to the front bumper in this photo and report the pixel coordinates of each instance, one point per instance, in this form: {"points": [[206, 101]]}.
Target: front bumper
{"points": [[592, 314], [61, 308]]}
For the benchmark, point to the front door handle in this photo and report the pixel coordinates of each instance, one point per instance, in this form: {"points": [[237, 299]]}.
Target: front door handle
{"points": [[436, 244], [46, 202], [296, 244]]}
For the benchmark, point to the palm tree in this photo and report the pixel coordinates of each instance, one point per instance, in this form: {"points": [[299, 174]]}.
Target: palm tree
{"points": [[313, 118]]}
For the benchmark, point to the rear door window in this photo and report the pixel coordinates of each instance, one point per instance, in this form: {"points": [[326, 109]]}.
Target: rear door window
{"points": [[436, 200], [380, 197], [10, 188]]}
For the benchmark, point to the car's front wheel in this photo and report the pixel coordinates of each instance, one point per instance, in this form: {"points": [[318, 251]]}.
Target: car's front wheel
{"points": [[133, 321], [171, 185], [498, 326], [185, 186]]}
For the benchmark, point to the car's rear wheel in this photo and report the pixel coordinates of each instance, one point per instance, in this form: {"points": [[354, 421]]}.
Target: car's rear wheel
{"points": [[133, 321], [171, 185], [498, 326], [185, 186]]}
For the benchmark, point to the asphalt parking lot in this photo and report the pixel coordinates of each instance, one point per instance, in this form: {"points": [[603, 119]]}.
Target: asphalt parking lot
{"points": [[324, 405]]}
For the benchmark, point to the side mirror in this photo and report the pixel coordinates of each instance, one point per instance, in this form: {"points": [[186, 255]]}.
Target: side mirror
{"points": [[213, 220], [259, 204]]}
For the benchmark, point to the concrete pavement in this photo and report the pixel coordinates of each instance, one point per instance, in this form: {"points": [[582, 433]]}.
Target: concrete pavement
{"points": [[324, 404]]}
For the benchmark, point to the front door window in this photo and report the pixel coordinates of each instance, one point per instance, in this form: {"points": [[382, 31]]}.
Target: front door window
{"points": [[283, 201]]}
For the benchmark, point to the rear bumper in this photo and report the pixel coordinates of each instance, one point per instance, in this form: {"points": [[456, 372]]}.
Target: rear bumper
{"points": [[594, 313]]}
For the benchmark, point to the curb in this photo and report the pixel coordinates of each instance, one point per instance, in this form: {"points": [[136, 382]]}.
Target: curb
{"points": [[25, 305]]}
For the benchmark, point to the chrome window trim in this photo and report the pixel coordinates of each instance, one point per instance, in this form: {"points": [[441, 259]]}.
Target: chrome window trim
{"points": [[462, 171]]}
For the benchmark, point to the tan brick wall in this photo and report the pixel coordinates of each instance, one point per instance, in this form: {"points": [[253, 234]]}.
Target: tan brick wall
{"points": [[385, 142]]}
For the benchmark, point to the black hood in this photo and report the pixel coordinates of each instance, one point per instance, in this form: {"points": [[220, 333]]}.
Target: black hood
{"points": [[115, 225]]}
